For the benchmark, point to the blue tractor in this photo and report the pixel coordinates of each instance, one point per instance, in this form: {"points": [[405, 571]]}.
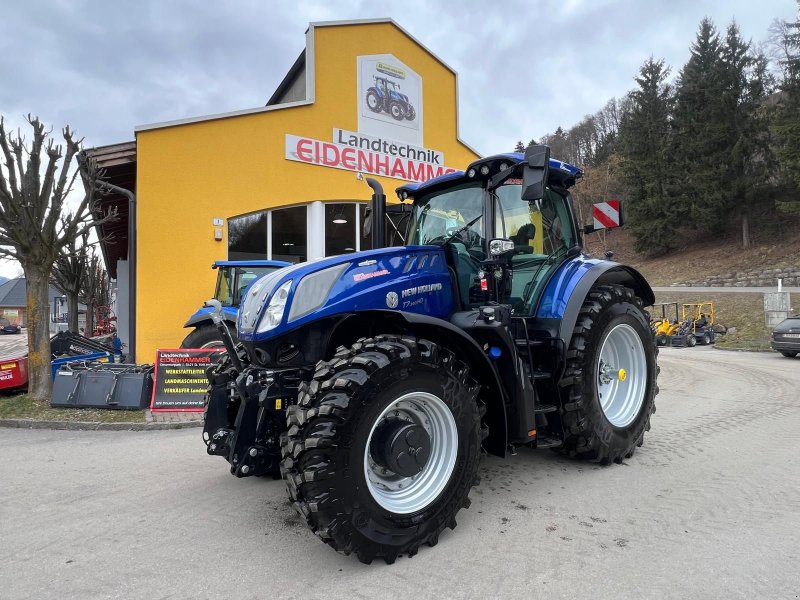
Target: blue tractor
{"points": [[385, 96], [233, 277], [373, 382]]}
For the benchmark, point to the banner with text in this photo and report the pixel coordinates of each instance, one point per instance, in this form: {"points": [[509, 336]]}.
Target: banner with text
{"points": [[368, 154], [181, 382]]}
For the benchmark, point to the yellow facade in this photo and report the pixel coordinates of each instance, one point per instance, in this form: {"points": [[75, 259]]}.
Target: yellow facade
{"points": [[220, 167]]}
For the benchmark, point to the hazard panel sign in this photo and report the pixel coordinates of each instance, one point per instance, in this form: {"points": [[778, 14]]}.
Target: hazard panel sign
{"points": [[606, 214]]}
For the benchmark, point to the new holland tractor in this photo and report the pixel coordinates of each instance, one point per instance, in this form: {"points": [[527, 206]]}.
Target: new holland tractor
{"points": [[373, 382], [385, 96]]}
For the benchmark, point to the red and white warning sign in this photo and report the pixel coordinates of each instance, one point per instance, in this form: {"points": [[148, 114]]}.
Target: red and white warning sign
{"points": [[606, 214]]}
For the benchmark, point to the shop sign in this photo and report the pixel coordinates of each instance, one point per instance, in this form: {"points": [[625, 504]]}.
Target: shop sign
{"points": [[181, 383], [393, 159]]}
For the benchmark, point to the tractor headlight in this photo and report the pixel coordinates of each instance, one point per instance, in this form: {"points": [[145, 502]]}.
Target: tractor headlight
{"points": [[273, 315]]}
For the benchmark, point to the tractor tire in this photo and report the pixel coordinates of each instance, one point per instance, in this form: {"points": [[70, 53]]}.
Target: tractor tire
{"points": [[789, 354], [373, 102], [397, 112], [691, 341], [374, 414], [661, 339], [410, 113], [612, 326], [205, 336], [705, 339]]}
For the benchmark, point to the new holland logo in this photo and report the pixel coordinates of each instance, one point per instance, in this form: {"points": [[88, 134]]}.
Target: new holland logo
{"points": [[391, 300]]}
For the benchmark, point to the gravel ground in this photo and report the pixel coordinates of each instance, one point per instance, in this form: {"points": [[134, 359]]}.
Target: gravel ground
{"points": [[708, 508]]}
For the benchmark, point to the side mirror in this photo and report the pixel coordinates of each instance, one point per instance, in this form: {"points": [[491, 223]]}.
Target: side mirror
{"points": [[535, 172]]}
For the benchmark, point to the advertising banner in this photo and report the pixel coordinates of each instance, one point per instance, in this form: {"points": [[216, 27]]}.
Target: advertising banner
{"points": [[181, 382]]}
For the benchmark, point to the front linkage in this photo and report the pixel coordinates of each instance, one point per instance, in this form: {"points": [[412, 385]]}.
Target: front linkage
{"points": [[246, 409]]}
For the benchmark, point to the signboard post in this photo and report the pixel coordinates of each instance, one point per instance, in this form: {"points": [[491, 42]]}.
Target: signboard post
{"points": [[181, 382]]}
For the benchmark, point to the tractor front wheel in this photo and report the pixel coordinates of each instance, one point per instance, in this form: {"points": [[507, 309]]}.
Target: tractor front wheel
{"points": [[383, 446], [609, 385], [397, 112], [205, 336]]}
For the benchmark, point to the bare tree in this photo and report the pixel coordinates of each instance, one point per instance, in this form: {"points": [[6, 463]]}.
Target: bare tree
{"points": [[95, 289], [69, 273], [35, 181]]}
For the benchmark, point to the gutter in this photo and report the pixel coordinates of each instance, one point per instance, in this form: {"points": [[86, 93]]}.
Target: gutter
{"points": [[131, 262]]}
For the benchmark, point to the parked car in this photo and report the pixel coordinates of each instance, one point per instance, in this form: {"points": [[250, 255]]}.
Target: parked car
{"points": [[10, 328], [786, 337]]}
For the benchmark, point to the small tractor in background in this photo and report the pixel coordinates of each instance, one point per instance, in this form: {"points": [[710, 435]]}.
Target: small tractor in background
{"points": [[372, 382], [665, 327], [701, 318], [233, 277]]}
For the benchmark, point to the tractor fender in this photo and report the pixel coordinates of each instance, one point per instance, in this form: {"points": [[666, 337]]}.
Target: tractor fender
{"points": [[203, 317], [567, 290], [367, 323]]}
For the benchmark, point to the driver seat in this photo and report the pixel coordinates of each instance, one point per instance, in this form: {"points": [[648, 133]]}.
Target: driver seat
{"points": [[466, 267]]}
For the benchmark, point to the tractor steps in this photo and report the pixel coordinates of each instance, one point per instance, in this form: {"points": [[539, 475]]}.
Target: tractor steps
{"points": [[547, 441]]}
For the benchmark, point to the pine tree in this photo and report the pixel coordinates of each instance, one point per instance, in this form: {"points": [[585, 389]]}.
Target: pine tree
{"points": [[786, 124], [645, 139], [701, 141], [746, 84]]}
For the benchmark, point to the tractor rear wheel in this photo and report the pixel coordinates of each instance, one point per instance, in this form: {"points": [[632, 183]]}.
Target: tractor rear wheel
{"points": [[383, 446], [609, 384], [661, 339], [789, 354]]}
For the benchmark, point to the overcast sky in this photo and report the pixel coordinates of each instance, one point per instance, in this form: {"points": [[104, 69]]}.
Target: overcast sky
{"points": [[524, 68]]}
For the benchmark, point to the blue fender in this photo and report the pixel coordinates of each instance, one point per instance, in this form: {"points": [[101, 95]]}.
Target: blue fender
{"points": [[377, 91], [204, 315], [570, 284]]}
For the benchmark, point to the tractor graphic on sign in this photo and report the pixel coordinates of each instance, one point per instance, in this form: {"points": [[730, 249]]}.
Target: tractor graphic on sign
{"points": [[385, 96]]}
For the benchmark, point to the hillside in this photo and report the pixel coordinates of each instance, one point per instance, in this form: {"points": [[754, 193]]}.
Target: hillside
{"points": [[697, 261]]}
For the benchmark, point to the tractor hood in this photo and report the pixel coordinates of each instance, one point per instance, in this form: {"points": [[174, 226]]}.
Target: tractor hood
{"points": [[411, 279]]}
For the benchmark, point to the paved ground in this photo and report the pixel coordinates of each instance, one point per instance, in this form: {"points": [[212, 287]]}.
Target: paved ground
{"points": [[714, 290], [14, 345], [708, 508]]}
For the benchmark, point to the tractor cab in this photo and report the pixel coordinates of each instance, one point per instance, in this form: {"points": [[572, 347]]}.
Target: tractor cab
{"points": [[500, 247]]}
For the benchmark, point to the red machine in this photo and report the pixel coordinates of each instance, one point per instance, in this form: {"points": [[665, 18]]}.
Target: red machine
{"points": [[105, 321], [13, 373]]}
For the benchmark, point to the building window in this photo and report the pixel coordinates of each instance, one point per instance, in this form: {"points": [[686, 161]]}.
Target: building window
{"points": [[298, 233], [289, 234], [247, 237], [341, 228]]}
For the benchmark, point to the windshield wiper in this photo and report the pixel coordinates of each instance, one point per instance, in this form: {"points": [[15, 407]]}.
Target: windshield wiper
{"points": [[552, 257], [460, 229]]}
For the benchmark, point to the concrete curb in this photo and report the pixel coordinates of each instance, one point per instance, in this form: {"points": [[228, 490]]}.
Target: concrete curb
{"points": [[95, 426]]}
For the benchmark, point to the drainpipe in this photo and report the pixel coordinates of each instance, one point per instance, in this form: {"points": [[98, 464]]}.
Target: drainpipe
{"points": [[131, 262]]}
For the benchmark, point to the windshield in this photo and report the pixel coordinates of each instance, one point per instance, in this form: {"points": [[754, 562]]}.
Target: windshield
{"points": [[233, 281], [437, 217]]}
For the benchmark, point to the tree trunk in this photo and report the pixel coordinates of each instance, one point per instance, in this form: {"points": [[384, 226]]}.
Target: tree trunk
{"points": [[89, 319], [40, 382], [745, 230], [72, 310]]}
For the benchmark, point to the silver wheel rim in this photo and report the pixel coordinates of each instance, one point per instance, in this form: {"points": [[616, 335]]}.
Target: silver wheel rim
{"points": [[621, 375], [214, 344], [405, 495]]}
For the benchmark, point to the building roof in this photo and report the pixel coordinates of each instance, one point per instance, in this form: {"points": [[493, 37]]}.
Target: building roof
{"points": [[304, 65], [13, 293], [117, 163]]}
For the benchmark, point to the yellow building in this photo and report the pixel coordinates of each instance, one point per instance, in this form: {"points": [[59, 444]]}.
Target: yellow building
{"points": [[279, 181]]}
